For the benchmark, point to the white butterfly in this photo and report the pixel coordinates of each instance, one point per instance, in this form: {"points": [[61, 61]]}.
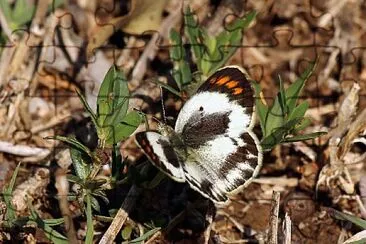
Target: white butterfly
{"points": [[212, 147]]}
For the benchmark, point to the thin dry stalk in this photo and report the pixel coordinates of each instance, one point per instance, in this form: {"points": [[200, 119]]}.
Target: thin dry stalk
{"points": [[62, 186], [287, 228], [121, 216], [273, 228]]}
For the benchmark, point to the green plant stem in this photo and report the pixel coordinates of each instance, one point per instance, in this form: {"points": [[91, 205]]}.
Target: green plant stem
{"points": [[89, 220]]}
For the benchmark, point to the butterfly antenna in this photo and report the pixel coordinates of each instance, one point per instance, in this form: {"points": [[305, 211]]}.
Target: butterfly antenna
{"points": [[162, 104]]}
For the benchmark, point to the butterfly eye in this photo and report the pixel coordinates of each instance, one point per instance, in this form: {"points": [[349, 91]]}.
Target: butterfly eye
{"points": [[201, 109]]}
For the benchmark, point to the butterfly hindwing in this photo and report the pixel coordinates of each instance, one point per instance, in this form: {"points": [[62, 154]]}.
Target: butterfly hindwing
{"points": [[160, 152], [224, 165]]}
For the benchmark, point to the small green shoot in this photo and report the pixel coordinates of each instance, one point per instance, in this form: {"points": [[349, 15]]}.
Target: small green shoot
{"points": [[210, 52], [281, 122], [33, 219]]}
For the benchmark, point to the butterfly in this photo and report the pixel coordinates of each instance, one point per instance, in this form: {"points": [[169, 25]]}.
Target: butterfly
{"points": [[213, 146]]}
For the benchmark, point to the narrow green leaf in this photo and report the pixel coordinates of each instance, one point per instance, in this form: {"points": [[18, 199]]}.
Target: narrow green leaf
{"points": [[88, 108], [71, 142], [8, 194], [193, 32], [145, 236], [102, 195], [54, 222], [241, 23], [299, 111], [50, 233], [82, 164], [304, 137], [305, 122], [293, 91], [117, 162], [167, 87], [228, 41], [74, 179], [353, 219], [181, 72], [261, 108], [186, 73], [89, 220], [176, 48], [282, 97], [279, 134], [95, 204], [275, 117]]}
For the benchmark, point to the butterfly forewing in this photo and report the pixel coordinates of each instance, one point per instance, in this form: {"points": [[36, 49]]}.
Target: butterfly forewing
{"points": [[161, 153], [234, 83]]}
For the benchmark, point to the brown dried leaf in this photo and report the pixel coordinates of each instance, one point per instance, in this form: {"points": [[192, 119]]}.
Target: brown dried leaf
{"points": [[144, 16]]}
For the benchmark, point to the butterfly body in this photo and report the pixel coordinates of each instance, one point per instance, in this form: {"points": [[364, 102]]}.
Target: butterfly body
{"points": [[212, 146]]}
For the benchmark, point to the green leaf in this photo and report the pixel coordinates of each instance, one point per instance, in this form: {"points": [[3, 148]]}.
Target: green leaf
{"points": [[88, 108], [50, 233], [275, 117], [22, 13], [102, 195], [8, 194], [167, 87], [6, 9], [305, 122], [304, 137], [74, 143], [282, 97], [241, 23], [228, 41], [278, 135], [299, 111], [353, 219], [95, 204], [112, 101], [74, 179], [182, 72], [176, 49], [89, 220], [193, 32], [261, 108], [117, 162], [293, 91], [145, 236], [54, 222], [126, 232], [82, 165], [124, 129]]}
